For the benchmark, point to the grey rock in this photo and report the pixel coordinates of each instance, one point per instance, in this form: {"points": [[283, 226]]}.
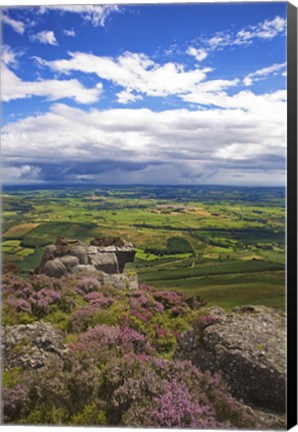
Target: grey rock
{"points": [[247, 347], [51, 249], [68, 256], [85, 268], [79, 251], [102, 249], [122, 281], [106, 262], [54, 268], [31, 346], [92, 250], [70, 262], [124, 255]]}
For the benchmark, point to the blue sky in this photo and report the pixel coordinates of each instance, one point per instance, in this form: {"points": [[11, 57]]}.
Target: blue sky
{"points": [[145, 94]]}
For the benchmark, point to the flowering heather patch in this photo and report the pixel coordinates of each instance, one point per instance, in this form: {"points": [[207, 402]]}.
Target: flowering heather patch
{"points": [[88, 284], [203, 321], [171, 300], [42, 281], [146, 390], [118, 369], [14, 401], [97, 299], [112, 340], [175, 408], [16, 286], [82, 318], [42, 300], [18, 304]]}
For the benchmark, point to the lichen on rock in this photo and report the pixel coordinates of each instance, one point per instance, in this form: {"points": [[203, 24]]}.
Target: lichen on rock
{"points": [[32, 346], [247, 346]]}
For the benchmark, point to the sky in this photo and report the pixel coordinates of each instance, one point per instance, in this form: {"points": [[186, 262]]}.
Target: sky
{"points": [[144, 94]]}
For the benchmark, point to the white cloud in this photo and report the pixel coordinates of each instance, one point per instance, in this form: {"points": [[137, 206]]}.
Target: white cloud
{"points": [[14, 88], [134, 72], [126, 96], [264, 73], [70, 33], [96, 14], [246, 101], [267, 29], [198, 53], [139, 75], [45, 37], [18, 26], [9, 56], [270, 28], [215, 41], [173, 145]]}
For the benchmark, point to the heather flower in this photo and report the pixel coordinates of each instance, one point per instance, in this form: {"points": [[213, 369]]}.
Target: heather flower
{"points": [[143, 316], [42, 281], [158, 307], [203, 321], [88, 284], [113, 336], [14, 401], [12, 284], [144, 287], [19, 304], [169, 299], [43, 299], [82, 318], [175, 408], [96, 299]]}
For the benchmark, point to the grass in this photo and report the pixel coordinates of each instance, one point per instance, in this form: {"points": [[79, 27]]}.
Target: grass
{"points": [[266, 288], [25, 252], [11, 243], [211, 268], [48, 232], [18, 231]]}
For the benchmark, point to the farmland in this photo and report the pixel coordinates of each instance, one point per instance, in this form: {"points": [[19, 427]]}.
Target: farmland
{"points": [[226, 244]]}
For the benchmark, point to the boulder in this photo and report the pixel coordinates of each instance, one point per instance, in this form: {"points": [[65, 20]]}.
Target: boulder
{"points": [[122, 280], [247, 347], [54, 268], [104, 254], [79, 251], [106, 262], [70, 262], [31, 346], [85, 268]]}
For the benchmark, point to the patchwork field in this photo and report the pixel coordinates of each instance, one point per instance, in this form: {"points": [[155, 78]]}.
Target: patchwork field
{"points": [[225, 243]]}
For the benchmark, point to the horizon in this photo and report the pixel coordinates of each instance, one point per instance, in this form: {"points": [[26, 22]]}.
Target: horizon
{"points": [[164, 94], [111, 186]]}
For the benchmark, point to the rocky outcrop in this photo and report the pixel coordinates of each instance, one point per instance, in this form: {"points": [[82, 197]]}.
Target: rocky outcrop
{"points": [[123, 281], [247, 347], [31, 346], [108, 255]]}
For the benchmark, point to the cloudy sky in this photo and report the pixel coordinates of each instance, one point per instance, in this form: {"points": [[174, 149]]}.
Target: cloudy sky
{"points": [[145, 94]]}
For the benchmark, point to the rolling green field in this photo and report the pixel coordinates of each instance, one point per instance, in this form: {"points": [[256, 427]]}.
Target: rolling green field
{"points": [[226, 244]]}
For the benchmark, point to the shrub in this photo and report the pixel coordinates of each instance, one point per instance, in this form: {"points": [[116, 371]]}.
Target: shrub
{"points": [[88, 284], [115, 371], [144, 390], [14, 402]]}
